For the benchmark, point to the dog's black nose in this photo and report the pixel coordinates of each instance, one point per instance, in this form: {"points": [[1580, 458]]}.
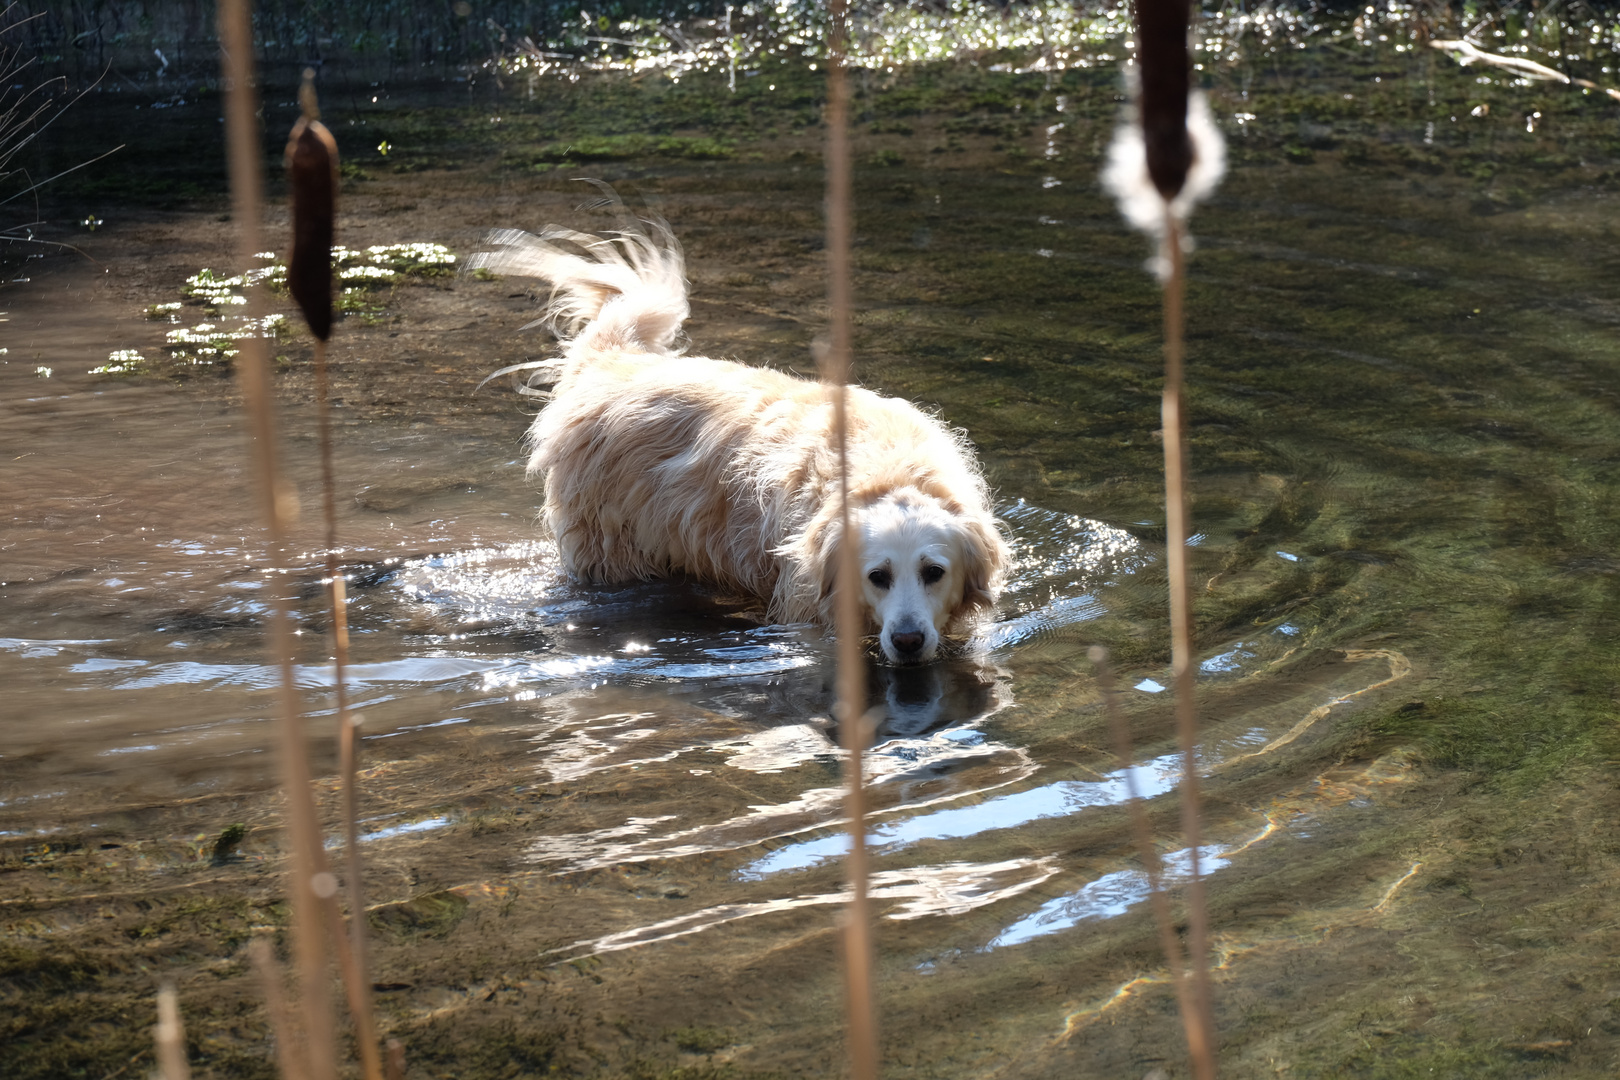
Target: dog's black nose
{"points": [[907, 643]]}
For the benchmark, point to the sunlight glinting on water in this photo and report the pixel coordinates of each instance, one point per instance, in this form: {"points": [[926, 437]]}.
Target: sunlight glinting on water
{"points": [[1039, 37], [943, 890], [949, 889], [1060, 799], [1115, 893], [1107, 897], [775, 750], [953, 888]]}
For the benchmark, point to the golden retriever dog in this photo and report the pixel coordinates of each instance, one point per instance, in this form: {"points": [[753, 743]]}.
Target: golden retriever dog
{"points": [[657, 463]]}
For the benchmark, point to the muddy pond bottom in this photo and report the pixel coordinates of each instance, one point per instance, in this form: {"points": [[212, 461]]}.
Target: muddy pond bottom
{"points": [[559, 778]]}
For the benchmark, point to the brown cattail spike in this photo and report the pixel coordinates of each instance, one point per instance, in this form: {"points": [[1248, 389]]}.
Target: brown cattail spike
{"points": [[1166, 72], [312, 172]]}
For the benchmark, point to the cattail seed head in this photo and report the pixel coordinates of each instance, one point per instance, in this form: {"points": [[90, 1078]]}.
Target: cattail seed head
{"points": [[1166, 67], [312, 173], [1167, 154]]}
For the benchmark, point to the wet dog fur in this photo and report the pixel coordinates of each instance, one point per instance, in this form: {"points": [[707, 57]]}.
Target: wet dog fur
{"points": [[657, 463]]}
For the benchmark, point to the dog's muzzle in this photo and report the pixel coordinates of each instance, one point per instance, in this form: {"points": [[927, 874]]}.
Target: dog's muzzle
{"points": [[906, 643]]}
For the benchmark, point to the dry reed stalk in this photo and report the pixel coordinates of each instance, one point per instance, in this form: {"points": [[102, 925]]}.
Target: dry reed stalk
{"points": [[859, 1003], [312, 170], [394, 1064], [1200, 1027], [354, 962], [1158, 169], [169, 1037], [277, 504], [1142, 836], [275, 1005]]}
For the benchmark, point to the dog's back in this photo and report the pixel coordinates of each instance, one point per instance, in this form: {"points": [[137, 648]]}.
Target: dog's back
{"points": [[652, 464], [657, 464]]}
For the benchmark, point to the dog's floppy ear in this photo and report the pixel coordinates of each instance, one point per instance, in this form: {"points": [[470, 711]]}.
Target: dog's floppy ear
{"points": [[805, 592], [829, 553], [985, 559]]}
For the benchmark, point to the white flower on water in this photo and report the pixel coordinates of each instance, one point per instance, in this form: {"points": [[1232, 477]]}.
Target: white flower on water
{"points": [[367, 273], [120, 362], [1126, 176], [418, 254]]}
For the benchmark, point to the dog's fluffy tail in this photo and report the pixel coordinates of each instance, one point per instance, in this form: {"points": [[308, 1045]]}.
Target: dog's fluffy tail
{"points": [[625, 290]]}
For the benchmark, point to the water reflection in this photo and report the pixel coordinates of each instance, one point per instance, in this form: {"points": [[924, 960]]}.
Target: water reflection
{"points": [[1109, 896], [948, 889], [932, 754], [1060, 799]]}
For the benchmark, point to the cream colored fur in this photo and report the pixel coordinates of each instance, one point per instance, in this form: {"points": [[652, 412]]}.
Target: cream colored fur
{"points": [[658, 464]]}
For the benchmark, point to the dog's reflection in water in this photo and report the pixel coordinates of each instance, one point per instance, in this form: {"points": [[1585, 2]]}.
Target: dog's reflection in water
{"points": [[912, 702], [917, 700]]}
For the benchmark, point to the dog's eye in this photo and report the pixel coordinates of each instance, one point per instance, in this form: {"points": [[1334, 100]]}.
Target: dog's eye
{"points": [[931, 574], [880, 578]]}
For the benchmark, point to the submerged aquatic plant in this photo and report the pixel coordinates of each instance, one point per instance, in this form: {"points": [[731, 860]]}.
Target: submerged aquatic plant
{"points": [[414, 259], [215, 290], [215, 339], [121, 362]]}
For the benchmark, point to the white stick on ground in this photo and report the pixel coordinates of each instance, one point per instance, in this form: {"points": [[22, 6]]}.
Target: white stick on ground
{"points": [[1468, 53]]}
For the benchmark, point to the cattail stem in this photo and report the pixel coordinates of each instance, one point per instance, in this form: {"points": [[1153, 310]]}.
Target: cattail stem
{"points": [[242, 133], [394, 1065], [860, 1008], [354, 962], [312, 174], [1142, 836], [1201, 1027], [169, 1037], [275, 1005]]}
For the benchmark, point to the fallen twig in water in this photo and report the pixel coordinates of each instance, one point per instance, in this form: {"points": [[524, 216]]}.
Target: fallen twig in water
{"points": [[1468, 53]]}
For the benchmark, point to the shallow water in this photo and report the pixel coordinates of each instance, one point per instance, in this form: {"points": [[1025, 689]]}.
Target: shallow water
{"points": [[596, 818]]}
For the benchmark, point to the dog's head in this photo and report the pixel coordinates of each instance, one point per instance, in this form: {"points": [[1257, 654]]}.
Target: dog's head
{"points": [[925, 563]]}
